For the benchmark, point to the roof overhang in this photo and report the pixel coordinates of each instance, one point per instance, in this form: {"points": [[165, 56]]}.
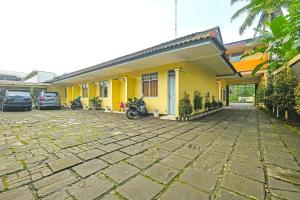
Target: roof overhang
{"points": [[22, 83], [206, 54]]}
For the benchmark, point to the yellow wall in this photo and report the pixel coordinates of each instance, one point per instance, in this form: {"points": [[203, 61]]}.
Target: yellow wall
{"points": [[193, 78], [189, 78], [61, 91]]}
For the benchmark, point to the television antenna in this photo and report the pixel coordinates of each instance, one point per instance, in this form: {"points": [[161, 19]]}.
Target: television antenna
{"points": [[175, 18]]}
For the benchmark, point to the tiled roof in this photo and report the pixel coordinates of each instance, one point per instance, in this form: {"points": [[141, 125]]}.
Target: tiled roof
{"points": [[213, 34]]}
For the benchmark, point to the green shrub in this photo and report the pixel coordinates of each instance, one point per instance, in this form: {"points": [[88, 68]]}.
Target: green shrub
{"points": [[185, 106], [198, 105]]}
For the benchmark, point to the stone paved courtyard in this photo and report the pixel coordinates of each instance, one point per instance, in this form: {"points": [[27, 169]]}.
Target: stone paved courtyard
{"points": [[238, 153]]}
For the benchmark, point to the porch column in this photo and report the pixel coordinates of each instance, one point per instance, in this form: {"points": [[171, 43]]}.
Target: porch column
{"points": [[177, 95], [126, 88], [227, 95]]}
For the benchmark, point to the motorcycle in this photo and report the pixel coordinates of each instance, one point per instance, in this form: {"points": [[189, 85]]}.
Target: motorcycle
{"points": [[136, 109], [76, 104]]}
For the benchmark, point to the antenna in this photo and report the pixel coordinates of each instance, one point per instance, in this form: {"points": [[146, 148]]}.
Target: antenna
{"points": [[175, 18]]}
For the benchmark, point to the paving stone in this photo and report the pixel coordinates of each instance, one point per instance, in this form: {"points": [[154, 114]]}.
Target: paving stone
{"points": [[57, 195], [141, 161], [54, 183], [282, 185], [140, 188], [187, 153], [90, 188], [284, 174], [133, 150], [110, 147], [180, 191], [120, 172], [243, 186], [64, 163], [176, 161], [199, 178], [286, 194], [90, 154], [1, 185], [110, 197], [161, 173], [114, 157], [21, 193], [89, 167], [169, 146], [10, 167], [228, 195], [248, 171]]}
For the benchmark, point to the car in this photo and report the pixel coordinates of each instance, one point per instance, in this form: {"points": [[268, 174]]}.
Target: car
{"points": [[48, 100], [16, 99]]}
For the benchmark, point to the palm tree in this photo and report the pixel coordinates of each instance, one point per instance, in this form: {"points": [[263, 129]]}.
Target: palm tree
{"points": [[266, 10]]}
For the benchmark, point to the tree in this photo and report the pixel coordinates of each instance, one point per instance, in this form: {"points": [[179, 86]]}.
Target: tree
{"points": [[284, 91], [266, 10], [282, 41]]}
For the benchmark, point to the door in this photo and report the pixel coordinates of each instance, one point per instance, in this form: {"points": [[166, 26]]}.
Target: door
{"points": [[171, 92]]}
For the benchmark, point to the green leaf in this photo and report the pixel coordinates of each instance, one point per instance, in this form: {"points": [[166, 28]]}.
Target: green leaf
{"points": [[258, 67], [296, 44], [276, 26]]}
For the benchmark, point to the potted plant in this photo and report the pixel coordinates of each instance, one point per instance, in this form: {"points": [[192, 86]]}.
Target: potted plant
{"points": [[207, 104], [214, 103], [96, 103], [185, 107], [220, 104], [197, 101]]}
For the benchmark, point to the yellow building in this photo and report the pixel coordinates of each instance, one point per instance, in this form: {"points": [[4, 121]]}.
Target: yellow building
{"points": [[161, 74]]}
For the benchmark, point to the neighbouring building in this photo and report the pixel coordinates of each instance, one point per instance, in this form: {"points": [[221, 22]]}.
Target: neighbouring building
{"points": [[33, 81]]}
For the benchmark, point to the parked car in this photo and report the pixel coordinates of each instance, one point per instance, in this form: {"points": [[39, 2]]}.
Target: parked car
{"points": [[16, 99], [48, 100]]}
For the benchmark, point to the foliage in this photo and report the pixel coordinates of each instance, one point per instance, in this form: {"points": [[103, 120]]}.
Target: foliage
{"points": [[268, 98], [282, 41], [185, 106], [197, 100], [237, 91], [265, 10], [297, 97], [214, 103], [208, 105], [96, 101], [220, 104], [260, 95], [284, 88]]}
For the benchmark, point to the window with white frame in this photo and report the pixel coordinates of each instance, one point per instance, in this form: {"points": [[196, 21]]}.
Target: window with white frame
{"points": [[150, 85], [103, 89], [84, 90]]}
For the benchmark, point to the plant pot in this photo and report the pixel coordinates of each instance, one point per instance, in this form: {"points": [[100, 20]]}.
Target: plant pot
{"points": [[95, 107], [156, 113]]}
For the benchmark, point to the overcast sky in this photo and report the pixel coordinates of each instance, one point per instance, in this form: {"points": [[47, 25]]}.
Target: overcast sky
{"points": [[66, 35]]}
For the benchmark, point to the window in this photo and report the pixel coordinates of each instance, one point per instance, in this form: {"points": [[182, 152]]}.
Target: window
{"points": [[103, 89], [84, 90], [150, 85], [236, 57]]}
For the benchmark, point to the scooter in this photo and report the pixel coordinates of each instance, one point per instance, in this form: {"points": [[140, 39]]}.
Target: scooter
{"points": [[76, 103], [136, 109]]}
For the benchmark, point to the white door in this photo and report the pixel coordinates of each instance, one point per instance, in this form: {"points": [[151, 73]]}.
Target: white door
{"points": [[171, 91]]}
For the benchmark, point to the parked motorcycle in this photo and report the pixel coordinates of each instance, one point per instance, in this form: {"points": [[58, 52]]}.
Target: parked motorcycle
{"points": [[136, 109], [76, 104]]}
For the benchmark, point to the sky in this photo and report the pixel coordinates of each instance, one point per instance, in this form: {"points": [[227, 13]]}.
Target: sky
{"points": [[62, 36]]}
